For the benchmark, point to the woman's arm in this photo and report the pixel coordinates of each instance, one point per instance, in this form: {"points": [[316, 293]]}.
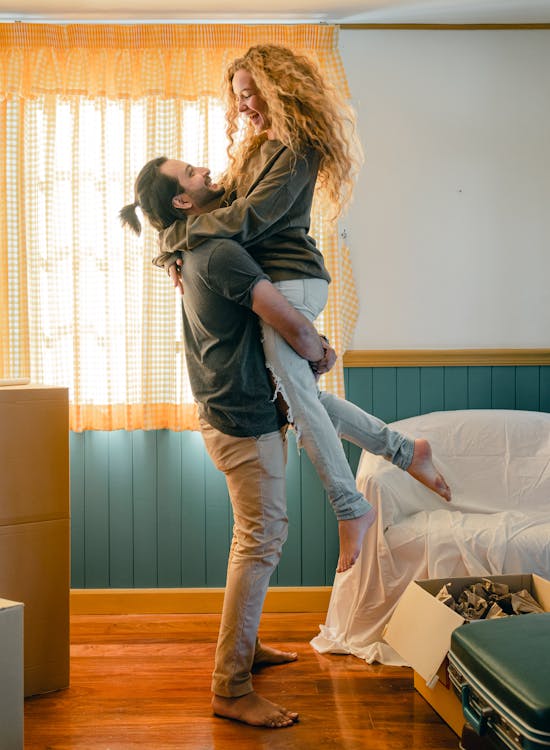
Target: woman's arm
{"points": [[246, 219]]}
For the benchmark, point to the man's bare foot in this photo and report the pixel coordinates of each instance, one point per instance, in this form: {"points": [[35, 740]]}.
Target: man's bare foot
{"points": [[351, 533], [422, 468], [266, 656], [254, 710]]}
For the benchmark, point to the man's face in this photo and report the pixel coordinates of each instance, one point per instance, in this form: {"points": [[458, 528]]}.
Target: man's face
{"points": [[198, 190]]}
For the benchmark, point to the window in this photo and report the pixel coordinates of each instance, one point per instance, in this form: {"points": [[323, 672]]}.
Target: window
{"points": [[97, 306]]}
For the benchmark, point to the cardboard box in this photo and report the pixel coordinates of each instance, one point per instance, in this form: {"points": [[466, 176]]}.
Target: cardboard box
{"points": [[420, 631], [34, 569], [11, 673], [34, 454], [35, 526], [442, 698]]}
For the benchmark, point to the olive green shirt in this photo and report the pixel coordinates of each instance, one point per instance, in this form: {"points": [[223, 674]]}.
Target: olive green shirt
{"points": [[270, 217]]}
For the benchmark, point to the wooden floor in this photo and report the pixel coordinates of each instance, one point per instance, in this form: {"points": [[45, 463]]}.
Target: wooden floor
{"points": [[143, 682]]}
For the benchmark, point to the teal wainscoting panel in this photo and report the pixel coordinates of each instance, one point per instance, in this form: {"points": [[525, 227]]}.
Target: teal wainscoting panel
{"points": [[384, 393], [479, 387], [359, 386], [121, 532], [169, 492], [455, 386], [96, 510], [432, 389], [193, 511], [313, 525], [544, 389], [144, 479], [149, 508], [76, 449], [528, 388], [359, 383], [503, 386], [408, 392]]}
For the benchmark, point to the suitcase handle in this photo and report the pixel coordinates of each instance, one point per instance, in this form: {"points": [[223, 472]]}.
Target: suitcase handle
{"points": [[477, 719]]}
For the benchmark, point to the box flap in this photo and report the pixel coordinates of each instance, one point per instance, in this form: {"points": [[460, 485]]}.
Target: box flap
{"points": [[541, 591], [8, 604], [420, 630]]}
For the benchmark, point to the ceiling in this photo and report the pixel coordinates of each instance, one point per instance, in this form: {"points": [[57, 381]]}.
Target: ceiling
{"points": [[282, 11]]}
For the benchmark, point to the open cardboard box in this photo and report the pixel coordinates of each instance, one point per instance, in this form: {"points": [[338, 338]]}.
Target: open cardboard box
{"points": [[420, 631]]}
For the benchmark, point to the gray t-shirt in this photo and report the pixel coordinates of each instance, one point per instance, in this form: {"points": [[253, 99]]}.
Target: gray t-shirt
{"points": [[225, 359]]}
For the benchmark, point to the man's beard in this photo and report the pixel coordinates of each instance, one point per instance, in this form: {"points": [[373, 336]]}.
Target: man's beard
{"points": [[207, 195]]}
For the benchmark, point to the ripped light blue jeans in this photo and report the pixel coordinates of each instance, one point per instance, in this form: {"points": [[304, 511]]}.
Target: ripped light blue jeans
{"points": [[321, 419]]}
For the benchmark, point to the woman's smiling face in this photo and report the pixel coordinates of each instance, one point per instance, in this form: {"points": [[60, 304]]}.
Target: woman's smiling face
{"points": [[250, 102]]}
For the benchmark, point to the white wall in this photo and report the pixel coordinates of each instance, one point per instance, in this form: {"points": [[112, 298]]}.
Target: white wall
{"points": [[450, 225]]}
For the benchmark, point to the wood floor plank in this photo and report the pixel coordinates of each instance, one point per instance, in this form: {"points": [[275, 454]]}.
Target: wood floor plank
{"points": [[144, 682]]}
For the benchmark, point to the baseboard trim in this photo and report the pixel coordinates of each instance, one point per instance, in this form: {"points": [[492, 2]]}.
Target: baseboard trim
{"points": [[190, 601], [446, 357]]}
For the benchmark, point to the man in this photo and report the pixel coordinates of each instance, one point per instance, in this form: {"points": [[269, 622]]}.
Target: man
{"points": [[225, 291]]}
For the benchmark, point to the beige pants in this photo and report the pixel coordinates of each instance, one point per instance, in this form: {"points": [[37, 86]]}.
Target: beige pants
{"points": [[254, 469]]}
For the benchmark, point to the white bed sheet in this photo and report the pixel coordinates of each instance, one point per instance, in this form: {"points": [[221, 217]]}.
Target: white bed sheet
{"points": [[497, 463]]}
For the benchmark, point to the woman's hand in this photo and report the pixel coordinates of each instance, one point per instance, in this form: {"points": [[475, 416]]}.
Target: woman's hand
{"points": [[175, 275]]}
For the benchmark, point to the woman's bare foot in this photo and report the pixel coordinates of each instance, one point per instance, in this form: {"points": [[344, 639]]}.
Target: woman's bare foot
{"points": [[422, 468], [254, 710], [351, 533], [266, 656]]}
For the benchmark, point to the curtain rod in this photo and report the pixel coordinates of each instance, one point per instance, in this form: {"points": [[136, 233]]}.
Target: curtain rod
{"points": [[343, 26]]}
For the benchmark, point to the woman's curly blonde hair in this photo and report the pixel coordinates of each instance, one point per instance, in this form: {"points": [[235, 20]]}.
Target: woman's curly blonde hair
{"points": [[305, 111]]}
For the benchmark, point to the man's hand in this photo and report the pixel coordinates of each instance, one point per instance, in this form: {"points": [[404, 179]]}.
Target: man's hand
{"points": [[175, 275], [326, 363]]}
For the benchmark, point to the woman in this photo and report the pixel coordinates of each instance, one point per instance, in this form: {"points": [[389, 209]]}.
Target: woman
{"points": [[299, 138]]}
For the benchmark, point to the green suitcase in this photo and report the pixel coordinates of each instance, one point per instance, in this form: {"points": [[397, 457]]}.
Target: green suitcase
{"points": [[500, 669]]}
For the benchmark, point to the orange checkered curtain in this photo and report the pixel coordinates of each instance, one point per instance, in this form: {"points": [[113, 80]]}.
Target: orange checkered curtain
{"points": [[82, 108]]}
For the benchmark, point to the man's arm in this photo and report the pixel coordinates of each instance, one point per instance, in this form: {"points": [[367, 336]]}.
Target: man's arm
{"points": [[275, 310]]}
